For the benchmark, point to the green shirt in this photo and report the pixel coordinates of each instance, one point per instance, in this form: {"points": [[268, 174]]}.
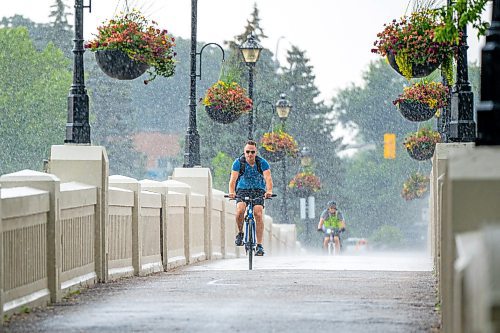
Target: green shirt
{"points": [[332, 220]]}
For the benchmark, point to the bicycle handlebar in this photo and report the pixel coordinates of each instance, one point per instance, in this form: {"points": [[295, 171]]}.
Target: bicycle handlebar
{"points": [[248, 198]]}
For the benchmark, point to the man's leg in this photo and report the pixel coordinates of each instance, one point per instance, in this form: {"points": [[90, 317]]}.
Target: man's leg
{"points": [[337, 244], [240, 216], [257, 211], [325, 242]]}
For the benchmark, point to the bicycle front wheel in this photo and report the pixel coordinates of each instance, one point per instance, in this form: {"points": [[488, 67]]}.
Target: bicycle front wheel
{"points": [[331, 248], [250, 245]]}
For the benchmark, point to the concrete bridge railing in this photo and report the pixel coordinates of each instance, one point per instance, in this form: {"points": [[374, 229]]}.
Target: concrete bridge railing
{"points": [[77, 226], [464, 234]]}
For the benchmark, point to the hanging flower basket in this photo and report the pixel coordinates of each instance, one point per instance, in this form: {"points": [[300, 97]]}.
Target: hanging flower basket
{"points": [[416, 111], [410, 47], [221, 116], [421, 144], [272, 156], [304, 184], [132, 36], [225, 102], [119, 65], [415, 187], [417, 70], [421, 101], [422, 153], [276, 145]]}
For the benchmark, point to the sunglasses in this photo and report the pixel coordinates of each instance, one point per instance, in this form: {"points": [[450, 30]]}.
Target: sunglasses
{"points": [[250, 152]]}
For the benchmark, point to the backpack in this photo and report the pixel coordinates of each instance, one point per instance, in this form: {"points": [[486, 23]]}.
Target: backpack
{"points": [[243, 163]]}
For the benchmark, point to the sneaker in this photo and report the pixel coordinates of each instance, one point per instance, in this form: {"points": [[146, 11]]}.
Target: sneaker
{"points": [[259, 250], [239, 239]]}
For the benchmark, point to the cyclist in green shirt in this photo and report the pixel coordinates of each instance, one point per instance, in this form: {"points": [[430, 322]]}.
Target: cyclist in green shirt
{"points": [[332, 219]]}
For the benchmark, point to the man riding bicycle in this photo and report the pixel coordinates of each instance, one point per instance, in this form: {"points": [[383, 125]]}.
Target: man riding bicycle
{"points": [[250, 177], [332, 219]]}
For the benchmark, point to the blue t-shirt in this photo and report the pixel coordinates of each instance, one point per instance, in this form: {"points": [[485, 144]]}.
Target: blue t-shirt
{"points": [[251, 179]]}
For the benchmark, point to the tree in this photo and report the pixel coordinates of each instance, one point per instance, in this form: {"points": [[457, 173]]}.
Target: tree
{"points": [[33, 92], [61, 31], [309, 122]]}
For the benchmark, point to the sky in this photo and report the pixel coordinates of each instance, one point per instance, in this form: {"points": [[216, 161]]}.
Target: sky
{"points": [[337, 35]]}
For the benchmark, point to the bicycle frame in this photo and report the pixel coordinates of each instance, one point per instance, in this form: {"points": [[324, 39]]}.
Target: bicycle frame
{"points": [[331, 242], [250, 232]]}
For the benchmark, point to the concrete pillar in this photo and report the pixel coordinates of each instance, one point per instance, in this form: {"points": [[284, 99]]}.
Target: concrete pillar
{"points": [[161, 188], [220, 232], [51, 184], [440, 232], [180, 187], [200, 180], [491, 236], [473, 194], [132, 184], [88, 165]]}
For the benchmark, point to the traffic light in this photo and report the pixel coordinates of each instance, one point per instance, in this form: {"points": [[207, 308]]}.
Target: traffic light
{"points": [[389, 146]]}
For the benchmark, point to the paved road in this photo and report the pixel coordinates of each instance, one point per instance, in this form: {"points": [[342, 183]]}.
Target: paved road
{"points": [[384, 293]]}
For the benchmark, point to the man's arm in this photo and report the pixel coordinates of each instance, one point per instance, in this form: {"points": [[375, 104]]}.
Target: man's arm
{"points": [[232, 183], [320, 224], [269, 183], [342, 222]]}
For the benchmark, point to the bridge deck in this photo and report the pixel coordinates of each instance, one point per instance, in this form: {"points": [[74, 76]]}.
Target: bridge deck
{"points": [[384, 293]]}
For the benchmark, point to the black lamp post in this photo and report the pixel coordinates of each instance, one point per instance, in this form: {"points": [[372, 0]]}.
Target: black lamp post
{"points": [[77, 126], [305, 163], [488, 112], [251, 52], [462, 127], [283, 108], [192, 150]]}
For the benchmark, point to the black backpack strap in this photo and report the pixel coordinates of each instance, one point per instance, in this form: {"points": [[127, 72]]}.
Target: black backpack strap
{"points": [[243, 163], [258, 161]]}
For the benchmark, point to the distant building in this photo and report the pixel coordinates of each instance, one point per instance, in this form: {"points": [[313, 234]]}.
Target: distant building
{"points": [[162, 151]]}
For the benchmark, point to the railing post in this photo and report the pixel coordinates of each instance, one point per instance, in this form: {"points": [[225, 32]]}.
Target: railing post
{"points": [[132, 184], [51, 184], [88, 165]]}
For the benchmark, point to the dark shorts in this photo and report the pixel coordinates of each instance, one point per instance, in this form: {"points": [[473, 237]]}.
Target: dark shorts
{"points": [[254, 193]]}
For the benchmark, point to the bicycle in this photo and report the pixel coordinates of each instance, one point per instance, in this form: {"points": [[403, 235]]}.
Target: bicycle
{"points": [[250, 238], [331, 242]]}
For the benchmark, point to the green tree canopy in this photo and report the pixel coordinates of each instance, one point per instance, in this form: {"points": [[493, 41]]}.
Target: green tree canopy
{"points": [[33, 100]]}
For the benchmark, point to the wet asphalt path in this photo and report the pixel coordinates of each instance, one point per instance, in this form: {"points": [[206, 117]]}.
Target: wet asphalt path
{"points": [[282, 294]]}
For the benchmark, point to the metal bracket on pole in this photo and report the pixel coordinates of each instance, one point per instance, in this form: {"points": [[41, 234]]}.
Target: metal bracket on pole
{"points": [[89, 6], [198, 75]]}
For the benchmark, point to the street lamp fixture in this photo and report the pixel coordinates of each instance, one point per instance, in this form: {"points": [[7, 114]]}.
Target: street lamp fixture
{"points": [[283, 107], [251, 53], [305, 157], [250, 50]]}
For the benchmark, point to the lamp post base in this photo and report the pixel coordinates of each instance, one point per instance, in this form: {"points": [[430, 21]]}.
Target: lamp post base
{"points": [[462, 126]]}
